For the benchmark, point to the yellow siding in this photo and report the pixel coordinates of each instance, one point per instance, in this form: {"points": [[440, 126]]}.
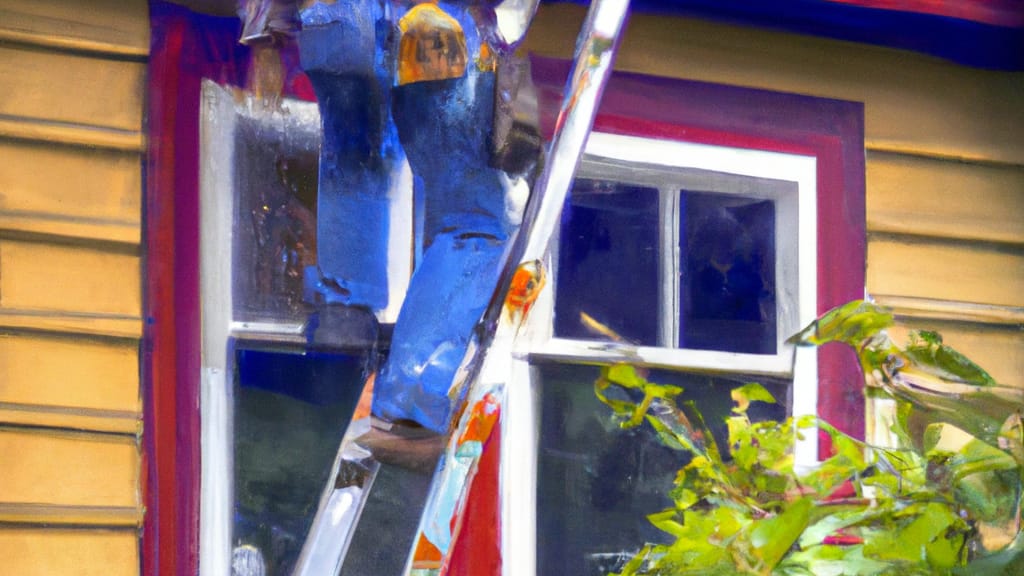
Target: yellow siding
{"points": [[68, 468], [51, 276], [72, 79], [945, 161], [938, 198], [946, 271], [63, 87], [70, 190], [103, 26], [912, 101], [48, 552], [34, 370]]}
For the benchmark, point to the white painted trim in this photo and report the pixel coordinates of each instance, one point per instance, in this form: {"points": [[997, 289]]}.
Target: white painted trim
{"points": [[400, 240], [799, 212], [218, 133], [668, 286], [216, 230], [518, 471], [596, 352]]}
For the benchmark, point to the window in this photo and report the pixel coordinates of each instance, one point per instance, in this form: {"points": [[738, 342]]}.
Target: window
{"points": [[275, 405], [687, 258], [705, 226], [707, 243]]}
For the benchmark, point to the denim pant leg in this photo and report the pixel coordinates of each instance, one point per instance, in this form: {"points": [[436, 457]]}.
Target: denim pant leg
{"points": [[345, 50], [445, 127]]}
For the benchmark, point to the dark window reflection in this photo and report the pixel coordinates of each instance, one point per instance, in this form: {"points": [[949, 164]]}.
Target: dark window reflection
{"points": [[275, 226], [597, 483], [291, 410], [728, 273], [608, 261]]}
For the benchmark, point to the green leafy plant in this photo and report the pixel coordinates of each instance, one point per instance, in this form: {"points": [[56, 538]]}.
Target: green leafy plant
{"points": [[915, 508]]}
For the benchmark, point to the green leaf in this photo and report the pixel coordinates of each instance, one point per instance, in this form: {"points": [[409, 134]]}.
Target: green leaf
{"points": [[936, 397], [828, 525], [989, 497], [670, 437], [685, 498], [667, 521], [619, 407], [851, 323], [772, 537], [846, 463], [702, 546], [837, 561], [927, 351], [976, 470], [751, 392], [911, 542], [958, 461], [624, 375]]}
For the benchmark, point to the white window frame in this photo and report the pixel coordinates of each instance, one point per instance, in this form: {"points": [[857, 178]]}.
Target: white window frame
{"points": [[796, 282], [220, 115], [796, 241]]}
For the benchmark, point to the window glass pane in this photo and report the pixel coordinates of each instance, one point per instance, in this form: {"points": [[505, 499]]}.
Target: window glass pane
{"points": [[596, 483], [727, 276], [608, 261], [291, 410], [275, 222]]}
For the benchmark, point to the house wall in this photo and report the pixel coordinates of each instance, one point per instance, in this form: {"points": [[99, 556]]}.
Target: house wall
{"points": [[945, 199], [945, 161], [72, 80]]}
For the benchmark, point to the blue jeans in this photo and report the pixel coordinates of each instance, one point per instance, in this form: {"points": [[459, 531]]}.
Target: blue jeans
{"points": [[345, 50], [444, 128]]}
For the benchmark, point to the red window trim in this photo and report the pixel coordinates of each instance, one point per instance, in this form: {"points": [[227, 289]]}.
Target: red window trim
{"points": [[185, 49]]}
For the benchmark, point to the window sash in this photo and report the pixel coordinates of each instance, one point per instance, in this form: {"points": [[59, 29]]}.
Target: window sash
{"points": [[675, 166]]}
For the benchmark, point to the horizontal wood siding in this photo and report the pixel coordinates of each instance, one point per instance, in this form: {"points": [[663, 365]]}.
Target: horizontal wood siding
{"points": [[936, 198], [105, 27], [72, 76], [945, 270], [51, 86], [70, 191], [912, 102], [68, 552], [69, 468], [945, 161], [70, 279], [35, 369]]}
